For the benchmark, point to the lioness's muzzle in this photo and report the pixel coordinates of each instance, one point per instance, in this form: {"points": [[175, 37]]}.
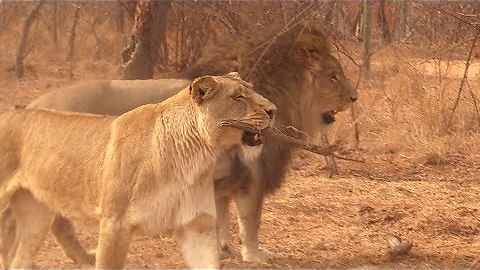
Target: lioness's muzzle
{"points": [[251, 134]]}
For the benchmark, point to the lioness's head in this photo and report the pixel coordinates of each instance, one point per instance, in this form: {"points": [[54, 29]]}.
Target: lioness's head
{"points": [[231, 98]]}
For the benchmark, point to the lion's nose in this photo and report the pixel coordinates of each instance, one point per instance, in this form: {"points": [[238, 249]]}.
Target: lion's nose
{"points": [[353, 99], [271, 112]]}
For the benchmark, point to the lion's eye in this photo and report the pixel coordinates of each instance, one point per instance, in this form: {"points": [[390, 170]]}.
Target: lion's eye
{"points": [[334, 78]]}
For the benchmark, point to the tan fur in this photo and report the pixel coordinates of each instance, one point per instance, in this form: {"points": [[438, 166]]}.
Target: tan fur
{"points": [[109, 97], [146, 171], [301, 76]]}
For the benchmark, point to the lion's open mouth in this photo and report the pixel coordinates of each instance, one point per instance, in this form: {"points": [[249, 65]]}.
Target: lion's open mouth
{"points": [[329, 117], [251, 139]]}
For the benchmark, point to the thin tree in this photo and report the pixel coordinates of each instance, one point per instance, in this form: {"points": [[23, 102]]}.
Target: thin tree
{"points": [[402, 30], [383, 24], [71, 41], [21, 49], [366, 33]]}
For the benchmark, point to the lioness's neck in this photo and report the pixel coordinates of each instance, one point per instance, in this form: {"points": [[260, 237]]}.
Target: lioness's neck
{"points": [[182, 133]]}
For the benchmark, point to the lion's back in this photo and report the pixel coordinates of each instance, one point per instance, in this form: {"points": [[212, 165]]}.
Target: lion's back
{"points": [[113, 97]]}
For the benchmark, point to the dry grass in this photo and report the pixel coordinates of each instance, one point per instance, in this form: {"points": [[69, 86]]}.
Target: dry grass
{"points": [[406, 102]]}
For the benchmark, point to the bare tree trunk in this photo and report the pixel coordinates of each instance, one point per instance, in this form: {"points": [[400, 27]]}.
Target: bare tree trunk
{"points": [[27, 23], [55, 25], [148, 36], [402, 29], [383, 24], [366, 33], [118, 15], [98, 41], [71, 41]]}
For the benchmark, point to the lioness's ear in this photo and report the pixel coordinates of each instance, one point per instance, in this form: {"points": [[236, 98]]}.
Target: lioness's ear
{"points": [[233, 74], [203, 88]]}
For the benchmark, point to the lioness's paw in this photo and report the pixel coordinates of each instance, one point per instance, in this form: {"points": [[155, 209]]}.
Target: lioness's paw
{"points": [[260, 255]]}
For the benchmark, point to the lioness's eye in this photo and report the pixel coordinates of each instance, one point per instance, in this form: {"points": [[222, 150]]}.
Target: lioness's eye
{"points": [[239, 97]]}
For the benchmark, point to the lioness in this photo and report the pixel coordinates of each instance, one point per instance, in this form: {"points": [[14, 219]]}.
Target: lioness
{"points": [[146, 171], [298, 73]]}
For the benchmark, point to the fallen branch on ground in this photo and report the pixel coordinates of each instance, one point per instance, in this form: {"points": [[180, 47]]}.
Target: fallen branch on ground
{"points": [[277, 135]]}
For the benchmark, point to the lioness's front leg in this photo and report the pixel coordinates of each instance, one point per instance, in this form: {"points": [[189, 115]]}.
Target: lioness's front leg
{"points": [[7, 234], [249, 207], [62, 229], [198, 241], [113, 243], [64, 232], [32, 224]]}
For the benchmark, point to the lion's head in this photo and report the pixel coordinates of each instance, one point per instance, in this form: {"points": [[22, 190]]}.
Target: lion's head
{"points": [[295, 70], [231, 98]]}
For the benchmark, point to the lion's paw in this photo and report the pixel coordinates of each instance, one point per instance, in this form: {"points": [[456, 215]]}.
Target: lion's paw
{"points": [[261, 255], [228, 251], [88, 258]]}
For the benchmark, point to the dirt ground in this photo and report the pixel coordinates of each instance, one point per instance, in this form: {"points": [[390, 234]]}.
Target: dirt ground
{"points": [[315, 221], [343, 222]]}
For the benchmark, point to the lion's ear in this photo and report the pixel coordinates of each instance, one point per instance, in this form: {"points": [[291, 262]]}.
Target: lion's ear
{"points": [[203, 88]]}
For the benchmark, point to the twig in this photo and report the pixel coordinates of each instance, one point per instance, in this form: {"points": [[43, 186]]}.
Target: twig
{"points": [[293, 22], [474, 98], [275, 134], [329, 160], [448, 13], [354, 113], [465, 75]]}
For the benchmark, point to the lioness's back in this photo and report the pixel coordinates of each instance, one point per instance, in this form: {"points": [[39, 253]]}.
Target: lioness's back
{"points": [[38, 130]]}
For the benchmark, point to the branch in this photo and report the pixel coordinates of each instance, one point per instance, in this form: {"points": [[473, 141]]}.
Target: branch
{"points": [[292, 23], [275, 134], [465, 76]]}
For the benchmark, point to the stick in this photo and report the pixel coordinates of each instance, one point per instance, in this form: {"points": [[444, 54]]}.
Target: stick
{"points": [[283, 138], [465, 76]]}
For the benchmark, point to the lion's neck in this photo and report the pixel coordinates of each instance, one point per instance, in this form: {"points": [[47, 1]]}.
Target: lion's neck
{"points": [[277, 157]]}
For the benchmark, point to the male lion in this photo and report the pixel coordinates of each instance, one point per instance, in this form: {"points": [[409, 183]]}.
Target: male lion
{"points": [[297, 72], [112, 97], [146, 171]]}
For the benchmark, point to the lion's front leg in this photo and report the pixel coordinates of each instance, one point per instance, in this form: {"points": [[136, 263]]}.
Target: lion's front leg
{"points": [[198, 242], [113, 243], [223, 226], [249, 208]]}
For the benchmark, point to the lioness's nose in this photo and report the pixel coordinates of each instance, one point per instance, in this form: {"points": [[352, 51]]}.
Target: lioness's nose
{"points": [[353, 98]]}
